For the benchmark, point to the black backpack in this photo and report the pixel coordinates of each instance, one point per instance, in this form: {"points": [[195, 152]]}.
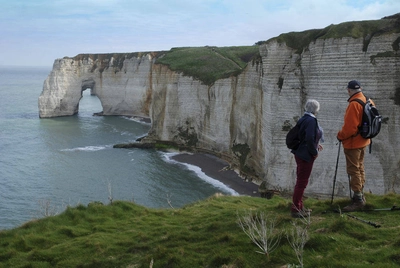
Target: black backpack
{"points": [[371, 121], [292, 137]]}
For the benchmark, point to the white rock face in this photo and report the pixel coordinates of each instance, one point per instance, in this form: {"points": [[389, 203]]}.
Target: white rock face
{"points": [[121, 91], [245, 119], [322, 73]]}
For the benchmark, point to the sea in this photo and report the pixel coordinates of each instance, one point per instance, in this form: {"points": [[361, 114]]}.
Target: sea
{"points": [[49, 164]]}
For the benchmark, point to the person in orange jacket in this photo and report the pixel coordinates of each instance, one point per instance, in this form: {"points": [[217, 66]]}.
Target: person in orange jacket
{"points": [[354, 145]]}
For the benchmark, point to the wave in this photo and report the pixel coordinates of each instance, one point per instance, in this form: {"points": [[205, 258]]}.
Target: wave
{"points": [[200, 174], [88, 148], [137, 119]]}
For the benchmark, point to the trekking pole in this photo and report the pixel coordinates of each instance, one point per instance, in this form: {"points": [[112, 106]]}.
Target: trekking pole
{"points": [[364, 221], [334, 178], [348, 175], [382, 209], [393, 208], [357, 218]]}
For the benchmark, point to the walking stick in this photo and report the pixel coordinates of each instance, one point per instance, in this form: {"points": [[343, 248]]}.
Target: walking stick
{"points": [[364, 221], [334, 178], [349, 185], [359, 219]]}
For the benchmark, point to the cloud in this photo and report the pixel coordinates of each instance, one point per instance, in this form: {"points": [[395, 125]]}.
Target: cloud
{"points": [[37, 32]]}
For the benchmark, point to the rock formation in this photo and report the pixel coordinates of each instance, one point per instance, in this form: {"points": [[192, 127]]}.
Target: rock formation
{"points": [[122, 88], [244, 118]]}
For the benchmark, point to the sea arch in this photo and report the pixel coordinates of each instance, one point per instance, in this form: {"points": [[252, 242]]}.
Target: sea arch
{"points": [[96, 108], [126, 91], [89, 84], [61, 96]]}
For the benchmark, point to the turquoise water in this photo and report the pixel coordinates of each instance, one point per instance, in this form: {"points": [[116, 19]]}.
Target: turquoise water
{"points": [[48, 164]]}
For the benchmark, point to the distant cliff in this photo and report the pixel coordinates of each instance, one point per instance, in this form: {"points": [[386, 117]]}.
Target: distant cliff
{"points": [[239, 102]]}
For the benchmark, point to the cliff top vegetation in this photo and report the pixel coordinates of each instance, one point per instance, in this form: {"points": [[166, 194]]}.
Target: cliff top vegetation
{"points": [[207, 234], [208, 64], [355, 29], [102, 60]]}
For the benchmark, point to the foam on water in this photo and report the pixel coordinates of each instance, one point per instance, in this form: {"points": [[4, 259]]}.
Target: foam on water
{"points": [[200, 174], [137, 119], [87, 148]]}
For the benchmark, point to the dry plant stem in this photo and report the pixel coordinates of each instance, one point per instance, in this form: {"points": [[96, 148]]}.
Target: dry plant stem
{"points": [[46, 208], [298, 237], [169, 201], [110, 192], [261, 231]]}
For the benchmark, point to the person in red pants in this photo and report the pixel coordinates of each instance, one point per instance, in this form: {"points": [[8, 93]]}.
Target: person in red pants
{"points": [[310, 134]]}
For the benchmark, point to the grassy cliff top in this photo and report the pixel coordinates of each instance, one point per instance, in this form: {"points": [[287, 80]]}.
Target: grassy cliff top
{"points": [[207, 64], [206, 234], [102, 60], [355, 29]]}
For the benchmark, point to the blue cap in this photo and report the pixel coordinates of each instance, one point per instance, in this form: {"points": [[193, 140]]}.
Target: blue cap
{"points": [[354, 84]]}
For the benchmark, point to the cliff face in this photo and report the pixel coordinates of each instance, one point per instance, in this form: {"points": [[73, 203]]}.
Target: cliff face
{"points": [[245, 118], [322, 72], [221, 118]]}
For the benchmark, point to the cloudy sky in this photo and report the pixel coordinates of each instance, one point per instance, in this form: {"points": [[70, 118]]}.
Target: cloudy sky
{"points": [[36, 32]]}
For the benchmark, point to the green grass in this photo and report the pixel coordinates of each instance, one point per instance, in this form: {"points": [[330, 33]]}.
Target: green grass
{"points": [[202, 234], [355, 29], [208, 64]]}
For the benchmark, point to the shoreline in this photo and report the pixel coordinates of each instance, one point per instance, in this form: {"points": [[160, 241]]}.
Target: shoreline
{"points": [[216, 168]]}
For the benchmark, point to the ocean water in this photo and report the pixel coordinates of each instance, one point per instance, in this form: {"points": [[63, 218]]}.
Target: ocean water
{"points": [[49, 164]]}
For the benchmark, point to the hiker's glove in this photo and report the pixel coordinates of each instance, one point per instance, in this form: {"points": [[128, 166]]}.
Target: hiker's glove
{"points": [[338, 139]]}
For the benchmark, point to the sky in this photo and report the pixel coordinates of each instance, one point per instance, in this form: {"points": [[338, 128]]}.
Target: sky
{"points": [[37, 32]]}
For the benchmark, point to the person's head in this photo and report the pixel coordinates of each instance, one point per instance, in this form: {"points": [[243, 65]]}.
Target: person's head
{"points": [[312, 106], [353, 87]]}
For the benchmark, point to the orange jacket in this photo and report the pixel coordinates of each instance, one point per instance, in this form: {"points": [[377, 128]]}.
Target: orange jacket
{"points": [[352, 120]]}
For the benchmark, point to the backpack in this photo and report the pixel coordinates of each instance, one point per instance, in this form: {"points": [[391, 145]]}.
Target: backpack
{"points": [[371, 120], [292, 137]]}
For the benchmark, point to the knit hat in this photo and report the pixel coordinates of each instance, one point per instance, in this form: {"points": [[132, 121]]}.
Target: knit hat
{"points": [[354, 84]]}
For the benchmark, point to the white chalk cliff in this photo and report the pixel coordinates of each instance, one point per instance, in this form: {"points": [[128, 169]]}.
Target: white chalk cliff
{"points": [[245, 118]]}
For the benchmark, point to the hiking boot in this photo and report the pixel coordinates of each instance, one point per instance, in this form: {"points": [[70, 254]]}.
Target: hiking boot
{"points": [[357, 204], [304, 213]]}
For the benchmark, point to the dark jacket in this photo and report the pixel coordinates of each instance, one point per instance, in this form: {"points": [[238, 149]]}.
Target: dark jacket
{"points": [[310, 135]]}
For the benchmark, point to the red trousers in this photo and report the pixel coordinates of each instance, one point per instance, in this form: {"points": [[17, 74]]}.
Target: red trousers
{"points": [[303, 173]]}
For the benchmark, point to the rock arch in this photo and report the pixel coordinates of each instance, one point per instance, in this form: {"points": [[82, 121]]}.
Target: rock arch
{"points": [[89, 84], [88, 92], [126, 92]]}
